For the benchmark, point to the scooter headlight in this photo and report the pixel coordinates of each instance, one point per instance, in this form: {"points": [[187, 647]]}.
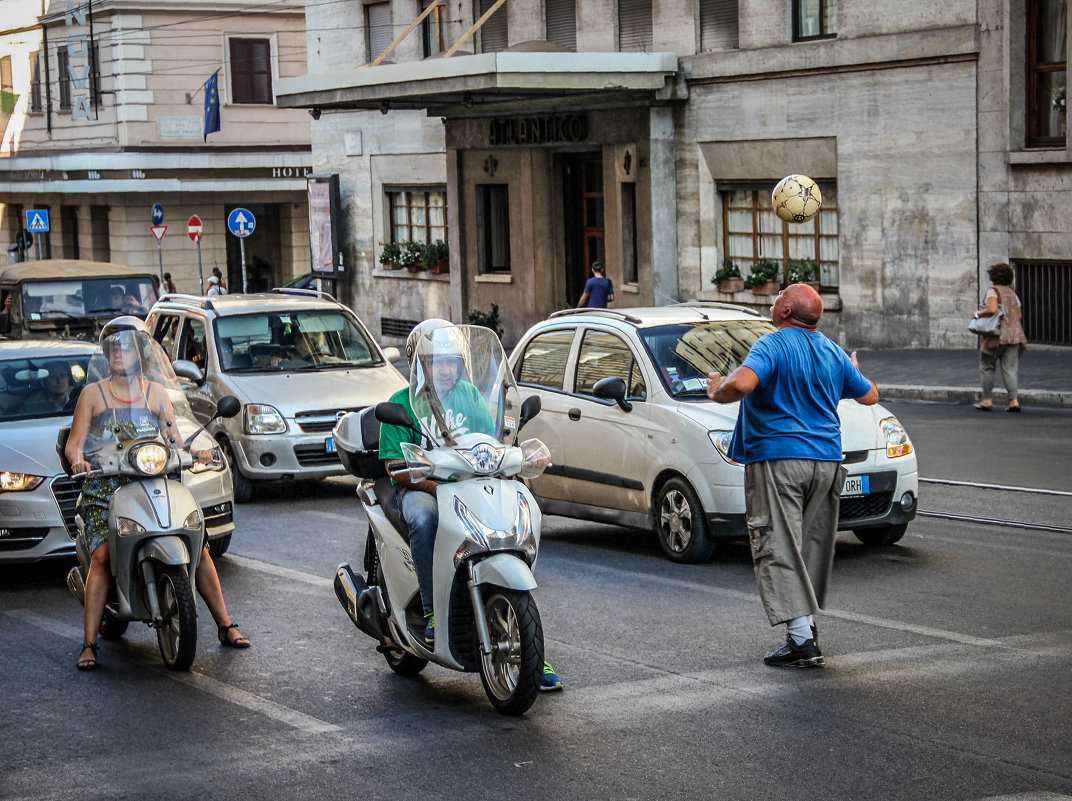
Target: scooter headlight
{"points": [[480, 537], [128, 527], [193, 521], [526, 540], [484, 458], [150, 458]]}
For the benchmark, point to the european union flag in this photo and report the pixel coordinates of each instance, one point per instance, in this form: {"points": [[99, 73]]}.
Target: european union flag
{"points": [[212, 105]]}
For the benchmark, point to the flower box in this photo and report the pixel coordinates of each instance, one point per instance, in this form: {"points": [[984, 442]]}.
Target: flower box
{"points": [[441, 267], [767, 288], [731, 284]]}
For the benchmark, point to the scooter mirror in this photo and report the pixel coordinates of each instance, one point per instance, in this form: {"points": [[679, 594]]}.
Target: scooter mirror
{"points": [[529, 409], [229, 406], [394, 414]]}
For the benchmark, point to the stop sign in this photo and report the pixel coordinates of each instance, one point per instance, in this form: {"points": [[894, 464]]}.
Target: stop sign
{"points": [[194, 228]]}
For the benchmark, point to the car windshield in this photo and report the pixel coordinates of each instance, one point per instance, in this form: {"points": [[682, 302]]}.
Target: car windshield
{"points": [[315, 340], [685, 353], [46, 386], [92, 297]]}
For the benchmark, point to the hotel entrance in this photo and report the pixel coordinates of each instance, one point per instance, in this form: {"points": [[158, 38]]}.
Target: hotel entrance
{"points": [[584, 220]]}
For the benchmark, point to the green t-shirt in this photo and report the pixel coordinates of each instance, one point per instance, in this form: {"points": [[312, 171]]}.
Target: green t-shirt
{"points": [[464, 411]]}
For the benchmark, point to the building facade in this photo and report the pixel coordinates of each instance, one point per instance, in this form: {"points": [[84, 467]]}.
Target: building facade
{"points": [[104, 116]]}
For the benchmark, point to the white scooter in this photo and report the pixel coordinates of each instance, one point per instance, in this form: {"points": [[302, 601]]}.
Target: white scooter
{"points": [[489, 523]]}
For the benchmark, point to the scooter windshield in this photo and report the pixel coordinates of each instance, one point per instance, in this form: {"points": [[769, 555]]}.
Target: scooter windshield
{"points": [[142, 400], [461, 383]]}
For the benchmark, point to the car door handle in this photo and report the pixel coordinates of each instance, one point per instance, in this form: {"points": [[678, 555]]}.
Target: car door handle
{"points": [[575, 414]]}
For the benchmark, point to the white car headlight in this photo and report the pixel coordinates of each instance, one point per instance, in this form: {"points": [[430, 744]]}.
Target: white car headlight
{"points": [[721, 440], [18, 482], [150, 459], [897, 441], [264, 419]]}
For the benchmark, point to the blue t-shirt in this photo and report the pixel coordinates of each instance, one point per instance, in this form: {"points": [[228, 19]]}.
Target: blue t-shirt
{"points": [[792, 412], [598, 289]]}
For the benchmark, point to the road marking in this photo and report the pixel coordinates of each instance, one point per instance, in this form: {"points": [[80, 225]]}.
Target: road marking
{"points": [[206, 684], [285, 572], [855, 617]]}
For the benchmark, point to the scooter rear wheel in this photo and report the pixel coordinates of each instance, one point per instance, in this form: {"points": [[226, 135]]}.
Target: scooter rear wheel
{"points": [[111, 627], [402, 663], [177, 638], [511, 674]]}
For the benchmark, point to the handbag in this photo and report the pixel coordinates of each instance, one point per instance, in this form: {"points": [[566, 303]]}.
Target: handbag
{"points": [[988, 326]]}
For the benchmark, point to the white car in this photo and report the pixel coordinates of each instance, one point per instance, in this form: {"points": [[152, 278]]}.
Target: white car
{"points": [[37, 499], [635, 441]]}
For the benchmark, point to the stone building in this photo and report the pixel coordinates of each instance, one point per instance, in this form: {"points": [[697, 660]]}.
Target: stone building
{"points": [[103, 116], [648, 134]]}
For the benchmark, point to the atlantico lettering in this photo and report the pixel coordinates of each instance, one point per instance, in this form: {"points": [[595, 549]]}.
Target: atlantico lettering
{"points": [[78, 47], [543, 130]]}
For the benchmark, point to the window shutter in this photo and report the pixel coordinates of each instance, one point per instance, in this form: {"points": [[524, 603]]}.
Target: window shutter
{"points": [[62, 62], [494, 36], [561, 18], [718, 25], [379, 28], [251, 71], [261, 65], [36, 73], [634, 26]]}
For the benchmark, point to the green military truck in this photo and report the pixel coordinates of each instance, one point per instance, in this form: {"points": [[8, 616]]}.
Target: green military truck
{"points": [[69, 298]]}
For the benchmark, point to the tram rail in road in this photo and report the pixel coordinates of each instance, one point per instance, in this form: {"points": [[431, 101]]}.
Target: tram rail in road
{"points": [[961, 500]]}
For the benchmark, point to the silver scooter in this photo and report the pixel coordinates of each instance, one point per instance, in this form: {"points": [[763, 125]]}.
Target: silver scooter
{"points": [[155, 536], [489, 526]]}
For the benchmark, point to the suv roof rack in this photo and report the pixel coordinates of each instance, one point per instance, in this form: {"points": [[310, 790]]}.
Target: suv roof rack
{"points": [[190, 300], [718, 304], [312, 293], [621, 315]]}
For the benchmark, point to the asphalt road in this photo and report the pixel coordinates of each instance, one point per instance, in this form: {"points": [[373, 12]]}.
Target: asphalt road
{"points": [[949, 676]]}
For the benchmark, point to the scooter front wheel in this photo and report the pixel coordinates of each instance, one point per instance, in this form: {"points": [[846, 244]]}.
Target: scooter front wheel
{"points": [[177, 637], [512, 672]]}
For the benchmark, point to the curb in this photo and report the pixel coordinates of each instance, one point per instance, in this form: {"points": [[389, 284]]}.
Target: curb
{"points": [[1029, 397]]}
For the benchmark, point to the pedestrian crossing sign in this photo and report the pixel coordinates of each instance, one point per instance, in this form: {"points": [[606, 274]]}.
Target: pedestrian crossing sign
{"points": [[37, 220]]}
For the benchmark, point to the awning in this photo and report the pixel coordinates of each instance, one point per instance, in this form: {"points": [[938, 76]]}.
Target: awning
{"points": [[469, 81]]}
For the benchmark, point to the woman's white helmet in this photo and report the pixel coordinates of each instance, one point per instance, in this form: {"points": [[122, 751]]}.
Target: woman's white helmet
{"points": [[422, 329]]}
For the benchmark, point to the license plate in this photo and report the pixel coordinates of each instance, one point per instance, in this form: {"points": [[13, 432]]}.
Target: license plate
{"points": [[329, 445], [856, 485]]}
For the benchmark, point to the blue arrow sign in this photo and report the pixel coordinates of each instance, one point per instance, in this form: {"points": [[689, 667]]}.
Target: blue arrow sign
{"points": [[241, 222], [37, 220], [158, 214]]}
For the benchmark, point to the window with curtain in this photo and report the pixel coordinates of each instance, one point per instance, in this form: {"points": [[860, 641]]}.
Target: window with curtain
{"points": [[753, 232], [378, 27], [251, 70], [493, 227], [432, 29], [64, 77], [418, 215], [1047, 75], [814, 19], [560, 18], [635, 33], [718, 25], [494, 34]]}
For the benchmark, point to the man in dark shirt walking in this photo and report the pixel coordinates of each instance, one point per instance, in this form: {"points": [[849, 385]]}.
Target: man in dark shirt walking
{"points": [[598, 291], [788, 437]]}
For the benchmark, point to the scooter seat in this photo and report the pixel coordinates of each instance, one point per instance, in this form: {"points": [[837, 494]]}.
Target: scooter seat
{"points": [[388, 501]]}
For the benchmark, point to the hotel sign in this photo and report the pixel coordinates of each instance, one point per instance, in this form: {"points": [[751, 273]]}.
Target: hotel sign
{"points": [[544, 129]]}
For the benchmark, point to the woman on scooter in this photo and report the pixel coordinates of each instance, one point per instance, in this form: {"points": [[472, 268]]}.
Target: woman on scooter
{"points": [[127, 403]]}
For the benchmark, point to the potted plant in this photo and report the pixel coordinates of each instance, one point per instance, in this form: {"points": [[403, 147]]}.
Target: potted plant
{"points": [[802, 271], [409, 256], [436, 257], [765, 277], [728, 278], [389, 256]]}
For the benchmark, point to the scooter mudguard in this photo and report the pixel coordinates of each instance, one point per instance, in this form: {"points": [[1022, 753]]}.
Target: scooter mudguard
{"points": [[166, 550], [504, 570]]}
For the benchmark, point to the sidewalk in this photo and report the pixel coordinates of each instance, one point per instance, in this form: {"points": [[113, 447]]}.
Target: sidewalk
{"points": [[952, 376]]}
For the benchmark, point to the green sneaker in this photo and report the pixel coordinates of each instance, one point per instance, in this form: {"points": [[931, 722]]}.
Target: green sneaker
{"points": [[429, 629], [550, 681]]}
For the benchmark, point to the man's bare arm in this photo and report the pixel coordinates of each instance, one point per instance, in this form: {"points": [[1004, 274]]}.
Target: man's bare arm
{"points": [[727, 389], [871, 398]]}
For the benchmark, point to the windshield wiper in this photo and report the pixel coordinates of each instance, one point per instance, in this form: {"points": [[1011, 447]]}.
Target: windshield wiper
{"points": [[51, 312]]}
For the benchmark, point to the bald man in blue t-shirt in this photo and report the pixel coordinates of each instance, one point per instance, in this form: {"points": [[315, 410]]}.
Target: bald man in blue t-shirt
{"points": [[788, 437]]}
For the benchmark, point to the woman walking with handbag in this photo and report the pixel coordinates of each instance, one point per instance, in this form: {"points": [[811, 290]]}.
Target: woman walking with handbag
{"points": [[1007, 345]]}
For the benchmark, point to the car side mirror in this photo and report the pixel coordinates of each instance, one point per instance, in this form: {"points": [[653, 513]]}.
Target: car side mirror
{"points": [[613, 388], [529, 409], [189, 371], [392, 354]]}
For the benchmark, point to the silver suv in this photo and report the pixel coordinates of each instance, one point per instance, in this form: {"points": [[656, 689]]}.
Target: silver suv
{"points": [[297, 360]]}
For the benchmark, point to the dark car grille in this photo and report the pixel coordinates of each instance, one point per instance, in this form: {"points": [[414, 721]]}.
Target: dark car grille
{"points": [[323, 420], [66, 490], [19, 539], [865, 506], [315, 456]]}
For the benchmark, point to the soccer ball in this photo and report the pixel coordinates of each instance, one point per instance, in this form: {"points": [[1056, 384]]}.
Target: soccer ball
{"points": [[796, 198]]}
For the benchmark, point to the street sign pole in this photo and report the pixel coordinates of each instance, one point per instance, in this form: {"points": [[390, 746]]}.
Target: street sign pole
{"points": [[200, 272], [242, 258], [241, 223], [160, 253]]}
